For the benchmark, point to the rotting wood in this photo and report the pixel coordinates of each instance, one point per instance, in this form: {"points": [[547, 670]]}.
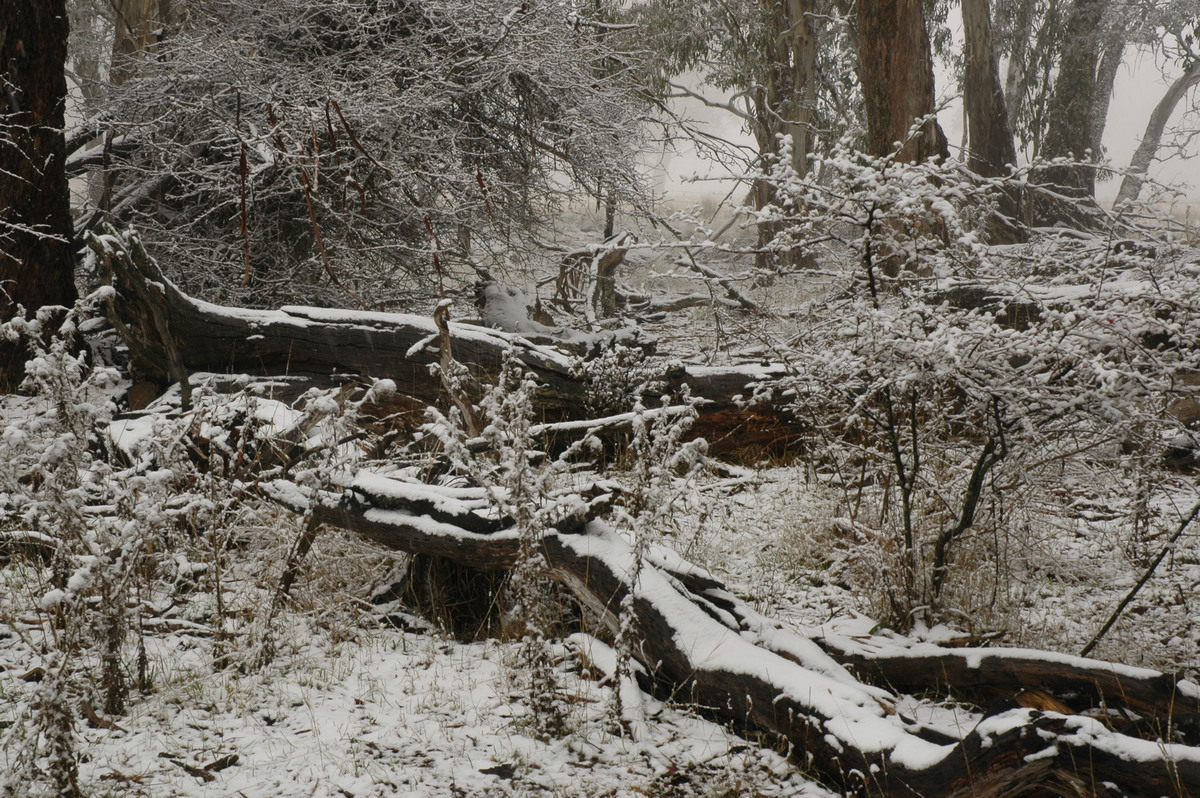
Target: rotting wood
{"points": [[171, 334]]}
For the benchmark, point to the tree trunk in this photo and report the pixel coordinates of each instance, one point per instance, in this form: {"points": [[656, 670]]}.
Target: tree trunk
{"points": [[1131, 185], [896, 71], [710, 648], [139, 26], [1112, 54], [991, 151], [36, 253], [1072, 106], [1020, 18], [171, 335], [784, 106]]}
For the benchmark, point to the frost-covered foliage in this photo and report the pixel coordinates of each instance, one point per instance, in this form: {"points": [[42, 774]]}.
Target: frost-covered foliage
{"points": [[114, 530], [540, 493], [951, 388], [305, 150], [52, 486], [537, 494], [615, 379]]}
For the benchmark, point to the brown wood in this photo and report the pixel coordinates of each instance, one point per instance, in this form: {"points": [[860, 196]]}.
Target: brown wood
{"points": [[37, 260], [896, 71], [171, 335]]}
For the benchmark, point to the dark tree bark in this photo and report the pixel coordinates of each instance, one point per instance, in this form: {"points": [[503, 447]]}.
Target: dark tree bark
{"points": [[36, 253], [1072, 106], [896, 71], [991, 151]]}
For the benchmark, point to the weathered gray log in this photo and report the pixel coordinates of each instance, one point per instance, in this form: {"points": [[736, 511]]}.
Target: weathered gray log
{"points": [[702, 643], [170, 334]]}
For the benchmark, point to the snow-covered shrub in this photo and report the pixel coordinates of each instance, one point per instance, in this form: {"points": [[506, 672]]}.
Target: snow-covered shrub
{"points": [[135, 524], [615, 380], [949, 385], [534, 491], [55, 490]]}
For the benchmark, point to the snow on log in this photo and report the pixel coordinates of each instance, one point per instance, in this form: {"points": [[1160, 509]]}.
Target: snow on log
{"points": [[171, 335], [705, 645]]}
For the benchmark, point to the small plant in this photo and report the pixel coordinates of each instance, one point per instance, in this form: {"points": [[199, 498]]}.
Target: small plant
{"points": [[534, 491], [615, 380]]}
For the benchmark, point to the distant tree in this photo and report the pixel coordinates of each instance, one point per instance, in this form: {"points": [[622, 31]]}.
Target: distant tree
{"points": [[1178, 37], [36, 251], [1040, 40], [1071, 112], [990, 148], [138, 26], [781, 64]]}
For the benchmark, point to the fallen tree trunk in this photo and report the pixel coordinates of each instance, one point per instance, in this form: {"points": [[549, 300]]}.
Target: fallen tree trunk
{"points": [[171, 334], [702, 643], [696, 639]]}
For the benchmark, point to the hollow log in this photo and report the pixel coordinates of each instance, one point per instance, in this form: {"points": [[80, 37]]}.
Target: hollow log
{"points": [[171, 335], [703, 644]]}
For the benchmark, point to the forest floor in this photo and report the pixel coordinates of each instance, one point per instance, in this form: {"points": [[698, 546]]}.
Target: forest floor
{"points": [[361, 700]]}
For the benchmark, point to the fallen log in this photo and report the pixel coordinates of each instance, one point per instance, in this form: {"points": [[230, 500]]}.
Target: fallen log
{"points": [[171, 335], [703, 644]]}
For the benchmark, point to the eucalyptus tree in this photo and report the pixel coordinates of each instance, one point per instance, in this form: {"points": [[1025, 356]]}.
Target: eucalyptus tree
{"points": [[784, 68], [1176, 34], [896, 70]]}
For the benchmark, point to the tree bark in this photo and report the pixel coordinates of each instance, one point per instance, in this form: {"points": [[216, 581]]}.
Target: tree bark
{"points": [[36, 253], [1131, 185], [896, 72], [139, 25], [990, 147], [1072, 106], [784, 106], [1112, 54]]}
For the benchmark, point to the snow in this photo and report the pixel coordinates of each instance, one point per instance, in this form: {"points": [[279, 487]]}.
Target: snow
{"points": [[852, 713]]}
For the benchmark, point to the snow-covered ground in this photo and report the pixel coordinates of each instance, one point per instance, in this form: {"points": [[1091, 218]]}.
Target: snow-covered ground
{"points": [[351, 705]]}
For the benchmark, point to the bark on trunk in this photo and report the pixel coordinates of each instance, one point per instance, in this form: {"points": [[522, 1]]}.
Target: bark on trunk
{"points": [[171, 335], [702, 643], [1112, 54], [896, 71], [138, 27], [1131, 185], [36, 254], [1072, 105], [784, 106], [991, 151]]}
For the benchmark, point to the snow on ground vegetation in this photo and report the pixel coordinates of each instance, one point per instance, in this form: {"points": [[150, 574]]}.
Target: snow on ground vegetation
{"points": [[239, 690]]}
